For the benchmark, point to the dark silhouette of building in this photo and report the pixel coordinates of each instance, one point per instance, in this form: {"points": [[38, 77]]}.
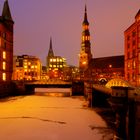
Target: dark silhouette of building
{"points": [[132, 52], [6, 43], [106, 68], [85, 55]]}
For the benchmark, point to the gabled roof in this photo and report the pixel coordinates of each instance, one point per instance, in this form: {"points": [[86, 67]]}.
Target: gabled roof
{"points": [[105, 62], [138, 13]]}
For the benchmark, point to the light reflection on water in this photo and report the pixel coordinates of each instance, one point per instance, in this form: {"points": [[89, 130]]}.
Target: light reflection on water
{"points": [[53, 94]]}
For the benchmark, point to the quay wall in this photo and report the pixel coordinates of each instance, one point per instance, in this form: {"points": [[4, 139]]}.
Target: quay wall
{"points": [[7, 89]]}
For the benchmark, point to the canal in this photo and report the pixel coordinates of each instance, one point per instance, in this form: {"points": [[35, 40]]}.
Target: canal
{"points": [[40, 117]]}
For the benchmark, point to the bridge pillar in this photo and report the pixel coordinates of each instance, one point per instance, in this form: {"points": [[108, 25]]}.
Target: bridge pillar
{"points": [[119, 103], [88, 86]]}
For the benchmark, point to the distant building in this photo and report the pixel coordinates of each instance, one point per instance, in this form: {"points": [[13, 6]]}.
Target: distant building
{"points": [[44, 75], [85, 55], [55, 64], [106, 68], [6, 43], [27, 68], [132, 52]]}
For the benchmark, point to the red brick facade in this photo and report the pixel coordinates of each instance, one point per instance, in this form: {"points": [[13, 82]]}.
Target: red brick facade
{"points": [[6, 44], [132, 52]]}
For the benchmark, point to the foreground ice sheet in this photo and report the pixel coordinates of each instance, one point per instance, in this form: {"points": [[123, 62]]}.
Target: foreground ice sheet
{"points": [[49, 118]]}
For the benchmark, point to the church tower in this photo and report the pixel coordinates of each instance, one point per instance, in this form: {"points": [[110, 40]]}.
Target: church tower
{"points": [[6, 43], [85, 55], [50, 53]]}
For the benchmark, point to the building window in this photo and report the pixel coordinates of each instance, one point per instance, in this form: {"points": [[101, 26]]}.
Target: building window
{"points": [[128, 45], [133, 34], [128, 55], [83, 38], [133, 42], [4, 35], [128, 38], [4, 65], [4, 45], [133, 76], [4, 55], [134, 64], [133, 53], [128, 65], [4, 76]]}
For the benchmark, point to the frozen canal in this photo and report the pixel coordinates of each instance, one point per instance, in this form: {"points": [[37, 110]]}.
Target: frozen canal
{"points": [[49, 118]]}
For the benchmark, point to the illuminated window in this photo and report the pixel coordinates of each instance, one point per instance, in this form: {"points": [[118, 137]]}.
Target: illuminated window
{"points": [[25, 67], [4, 55], [32, 67], [4, 76], [4, 65], [54, 60], [29, 63], [54, 66], [128, 65], [88, 37], [51, 60], [50, 65], [83, 38]]}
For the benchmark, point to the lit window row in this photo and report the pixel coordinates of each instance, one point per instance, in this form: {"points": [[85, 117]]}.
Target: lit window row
{"points": [[56, 66], [85, 38], [56, 60]]}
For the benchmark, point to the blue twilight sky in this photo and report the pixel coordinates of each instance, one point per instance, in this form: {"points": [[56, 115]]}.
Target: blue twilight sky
{"points": [[37, 20]]}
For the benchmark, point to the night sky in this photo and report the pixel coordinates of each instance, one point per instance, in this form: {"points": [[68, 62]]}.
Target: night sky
{"points": [[38, 20]]}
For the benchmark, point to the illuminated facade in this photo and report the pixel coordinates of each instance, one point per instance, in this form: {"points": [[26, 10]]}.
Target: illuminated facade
{"points": [[26, 68], [55, 64], [132, 52], [85, 55], [6, 43]]}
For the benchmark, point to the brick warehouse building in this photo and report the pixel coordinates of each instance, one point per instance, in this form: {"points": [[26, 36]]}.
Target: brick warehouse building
{"points": [[6, 43], [132, 52]]}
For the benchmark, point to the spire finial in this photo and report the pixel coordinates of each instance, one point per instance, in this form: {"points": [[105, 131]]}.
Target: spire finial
{"points": [[85, 8], [85, 16]]}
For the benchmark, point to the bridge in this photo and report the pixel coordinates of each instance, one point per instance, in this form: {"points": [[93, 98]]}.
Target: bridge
{"points": [[50, 87], [125, 101]]}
